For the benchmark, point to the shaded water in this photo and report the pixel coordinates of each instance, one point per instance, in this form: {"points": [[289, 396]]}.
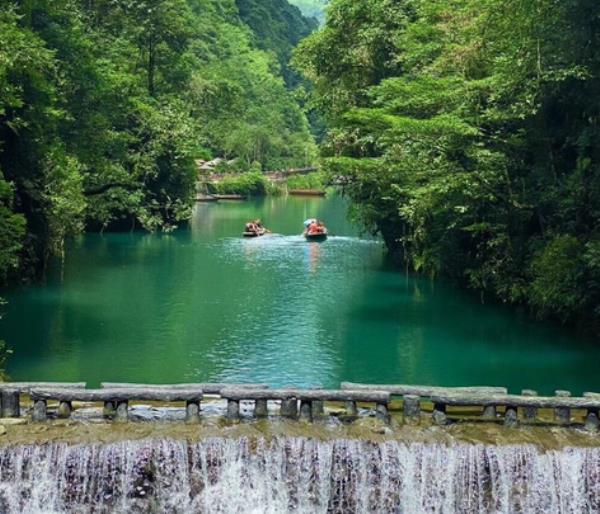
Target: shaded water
{"points": [[297, 475], [202, 304]]}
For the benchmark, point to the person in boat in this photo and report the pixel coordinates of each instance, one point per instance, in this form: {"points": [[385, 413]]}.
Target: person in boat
{"points": [[251, 228], [316, 227]]}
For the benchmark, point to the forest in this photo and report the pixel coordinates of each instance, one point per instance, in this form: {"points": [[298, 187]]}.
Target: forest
{"points": [[105, 105], [468, 134]]}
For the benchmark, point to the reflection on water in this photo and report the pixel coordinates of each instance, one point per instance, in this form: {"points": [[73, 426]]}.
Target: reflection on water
{"points": [[205, 304]]}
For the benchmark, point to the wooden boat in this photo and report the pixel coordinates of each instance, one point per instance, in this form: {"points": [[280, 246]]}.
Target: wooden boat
{"points": [[260, 233], [230, 197], [316, 236], [307, 192]]}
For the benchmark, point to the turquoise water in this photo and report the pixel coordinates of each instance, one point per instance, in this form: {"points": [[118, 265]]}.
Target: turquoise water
{"points": [[203, 304]]}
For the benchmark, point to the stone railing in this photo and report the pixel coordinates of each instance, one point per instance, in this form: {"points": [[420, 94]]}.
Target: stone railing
{"points": [[492, 403], [489, 399]]}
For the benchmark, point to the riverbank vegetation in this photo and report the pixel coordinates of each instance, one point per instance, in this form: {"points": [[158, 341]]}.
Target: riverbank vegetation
{"points": [[252, 183], [105, 105], [469, 133], [315, 180]]}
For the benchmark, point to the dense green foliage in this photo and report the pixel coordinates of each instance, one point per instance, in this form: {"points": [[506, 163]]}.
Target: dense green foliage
{"points": [[469, 131], [252, 183], [278, 27], [315, 180], [105, 104]]}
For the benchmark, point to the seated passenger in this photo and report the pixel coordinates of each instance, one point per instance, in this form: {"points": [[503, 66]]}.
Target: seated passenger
{"points": [[313, 228]]}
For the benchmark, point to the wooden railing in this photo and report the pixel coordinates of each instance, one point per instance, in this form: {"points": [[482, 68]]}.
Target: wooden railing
{"points": [[495, 403]]}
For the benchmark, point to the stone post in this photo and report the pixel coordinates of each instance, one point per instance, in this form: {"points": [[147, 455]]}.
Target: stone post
{"points": [[261, 408], [11, 406], [490, 412], [306, 410], [439, 414], [40, 411], [192, 411], [562, 414], [318, 408], [121, 413], [64, 410], [109, 410], [412, 408], [233, 409], [381, 412], [591, 421], [510, 417], [289, 408], [351, 408], [529, 413]]}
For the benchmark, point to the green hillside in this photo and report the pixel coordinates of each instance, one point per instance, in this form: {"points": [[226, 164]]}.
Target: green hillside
{"points": [[312, 8]]}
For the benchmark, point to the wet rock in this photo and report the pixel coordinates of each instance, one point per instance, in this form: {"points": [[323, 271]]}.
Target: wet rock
{"points": [[2, 430]]}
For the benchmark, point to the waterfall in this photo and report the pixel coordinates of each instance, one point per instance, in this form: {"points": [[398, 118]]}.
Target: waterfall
{"points": [[247, 475]]}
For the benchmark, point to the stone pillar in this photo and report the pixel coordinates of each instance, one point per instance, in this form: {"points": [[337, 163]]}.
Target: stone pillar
{"points": [[351, 408], [261, 408], [381, 412], [591, 421], [306, 410], [121, 413], [110, 409], [529, 413], [11, 406], [412, 408], [289, 408], [510, 417], [192, 411], [64, 410], [233, 409], [40, 411], [318, 408], [439, 414], [562, 414], [489, 412]]}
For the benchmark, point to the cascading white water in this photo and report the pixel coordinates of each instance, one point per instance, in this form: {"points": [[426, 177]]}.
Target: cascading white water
{"points": [[296, 475]]}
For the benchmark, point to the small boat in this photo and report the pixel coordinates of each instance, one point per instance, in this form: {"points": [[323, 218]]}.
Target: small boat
{"points": [[307, 192], [315, 236], [230, 197], [254, 233]]}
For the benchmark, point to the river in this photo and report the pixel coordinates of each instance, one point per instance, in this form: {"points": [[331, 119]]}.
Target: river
{"points": [[203, 304]]}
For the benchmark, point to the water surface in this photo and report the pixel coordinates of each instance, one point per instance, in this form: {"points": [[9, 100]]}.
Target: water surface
{"points": [[203, 304]]}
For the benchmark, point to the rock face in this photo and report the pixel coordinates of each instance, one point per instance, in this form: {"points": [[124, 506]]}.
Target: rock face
{"points": [[219, 475]]}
